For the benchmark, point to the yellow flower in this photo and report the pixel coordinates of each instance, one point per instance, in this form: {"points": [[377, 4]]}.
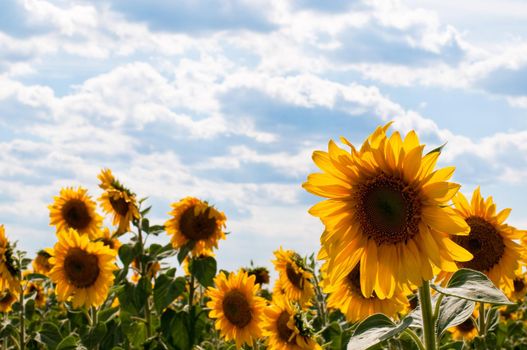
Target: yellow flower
{"points": [[9, 270], [195, 221], [295, 279], [152, 268], [519, 289], [109, 240], [261, 273], [37, 289], [118, 201], [464, 331], [236, 307], [75, 209], [285, 329], [82, 270], [491, 241], [41, 262], [7, 299], [387, 210]]}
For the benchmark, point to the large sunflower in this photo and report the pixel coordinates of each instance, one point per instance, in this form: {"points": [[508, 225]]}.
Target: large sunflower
{"points": [[490, 240], [118, 201], [285, 327], [41, 262], [387, 210], [237, 308], [295, 278], [82, 270], [75, 209], [9, 270], [346, 296], [197, 222]]}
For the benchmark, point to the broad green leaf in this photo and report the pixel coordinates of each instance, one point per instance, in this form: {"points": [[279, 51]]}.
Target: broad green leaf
{"points": [[135, 332], [174, 328], [457, 345], [127, 253], [375, 329], [50, 335], [68, 343], [183, 251], [35, 276], [95, 335], [204, 269], [166, 289], [473, 285], [453, 311]]}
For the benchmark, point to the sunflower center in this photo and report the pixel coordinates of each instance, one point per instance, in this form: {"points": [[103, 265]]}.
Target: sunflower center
{"points": [[119, 205], [197, 227], [388, 209], [519, 284], [353, 280], [76, 214], [294, 277], [484, 242], [284, 332], [6, 296], [466, 326], [236, 308], [82, 268], [108, 242]]}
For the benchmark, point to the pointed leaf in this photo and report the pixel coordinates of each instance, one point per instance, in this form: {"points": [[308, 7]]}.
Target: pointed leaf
{"points": [[375, 329]]}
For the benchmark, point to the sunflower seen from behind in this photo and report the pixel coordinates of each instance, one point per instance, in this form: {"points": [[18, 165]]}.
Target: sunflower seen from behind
{"points": [[387, 209], [295, 278], [41, 262], [82, 270], [236, 307], [197, 223], [74, 208], [117, 201], [9, 269], [36, 290]]}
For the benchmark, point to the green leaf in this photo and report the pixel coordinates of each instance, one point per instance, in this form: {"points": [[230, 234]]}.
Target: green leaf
{"points": [[70, 342], [156, 229], [95, 335], [453, 311], [127, 253], [204, 269], [35, 276], [174, 327], [135, 332], [183, 251], [473, 285], [166, 289], [145, 225], [50, 335], [375, 329], [457, 345], [438, 149]]}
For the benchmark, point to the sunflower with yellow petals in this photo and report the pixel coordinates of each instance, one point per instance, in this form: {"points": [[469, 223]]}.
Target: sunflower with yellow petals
{"points": [[285, 327], [7, 299], [195, 222], [519, 289], [82, 270], [490, 241], [9, 270], [117, 201], [109, 240], [464, 331], [237, 308], [387, 210], [74, 208], [36, 289], [295, 278], [41, 262]]}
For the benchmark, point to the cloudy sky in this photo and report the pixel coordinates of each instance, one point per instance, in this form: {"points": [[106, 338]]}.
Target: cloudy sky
{"points": [[226, 100]]}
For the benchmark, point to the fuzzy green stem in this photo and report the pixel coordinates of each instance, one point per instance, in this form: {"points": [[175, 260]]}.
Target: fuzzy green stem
{"points": [[415, 338], [482, 325], [5, 339], [425, 300], [321, 305], [191, 307], [22, 322], [144, 274]]}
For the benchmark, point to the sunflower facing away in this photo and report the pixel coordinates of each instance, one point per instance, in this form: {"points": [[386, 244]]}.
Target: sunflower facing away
{"points": [[236, 307], [295, 279], [75, 209], [118, 201], [7, 299], [9, 271], [36, 289], [387, 210], [466, 330], [490, 240], [285, 327], [82, 270], [41, 262], [195, 221]]}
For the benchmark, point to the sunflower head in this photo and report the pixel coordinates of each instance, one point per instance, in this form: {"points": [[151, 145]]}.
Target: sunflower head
{"points": [[286, 327], [117, 201], [260, 273], [387, 209], [109, 240], [295, 278], [197, 223], [9, 269], [7, 299], [36, 289], [236, 307], [464, 331], [41, 262], [82, 270]]}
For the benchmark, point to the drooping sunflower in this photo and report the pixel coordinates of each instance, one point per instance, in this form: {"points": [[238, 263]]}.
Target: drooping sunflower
{"points": [[75, 209], [237, 308], [41, 262], [346, 296], [36, 289], [386, 209], [117, 201], [109, 240], [491, 240], [197, 222], [285, 327], [9, 270], [464, 331], [82, 270], [7, 299], [295, 278]]}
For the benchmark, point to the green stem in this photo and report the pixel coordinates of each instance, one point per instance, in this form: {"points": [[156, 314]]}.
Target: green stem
{"points": [[321, 305], [415, 338], [22, 306], [438, 307], [5, 339], [425, 300], [191, 308], [144, 274], [482, 326]]}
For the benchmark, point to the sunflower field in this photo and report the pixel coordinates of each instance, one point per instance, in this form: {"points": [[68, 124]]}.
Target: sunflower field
{"points": [[406, 261]]}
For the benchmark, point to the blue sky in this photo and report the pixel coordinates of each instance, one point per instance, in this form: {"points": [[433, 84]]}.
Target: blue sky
{"points": [[226, 100]]}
